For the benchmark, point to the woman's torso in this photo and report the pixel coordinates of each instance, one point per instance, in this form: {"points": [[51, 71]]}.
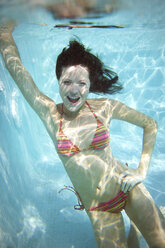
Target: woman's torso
{"points": [[94, 173]]}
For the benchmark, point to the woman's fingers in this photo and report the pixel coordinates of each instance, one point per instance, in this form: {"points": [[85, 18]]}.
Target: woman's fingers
{"points": [[123, 176], [129, 182], [125, 185]]}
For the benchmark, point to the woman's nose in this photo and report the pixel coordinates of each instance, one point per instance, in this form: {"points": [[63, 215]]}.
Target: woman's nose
{"points": [[74, 89]]}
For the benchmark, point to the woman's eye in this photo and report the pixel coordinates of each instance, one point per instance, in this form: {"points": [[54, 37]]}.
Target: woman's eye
{"points": [[66, 82], [82, 83]]}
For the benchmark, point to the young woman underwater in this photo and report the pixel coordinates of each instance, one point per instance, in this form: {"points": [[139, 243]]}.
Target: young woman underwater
{"points": [[79, 128]]}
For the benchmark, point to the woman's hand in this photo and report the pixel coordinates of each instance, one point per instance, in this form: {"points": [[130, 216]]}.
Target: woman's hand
{"points": [[6, 33], [7, 27], [129, 180]]}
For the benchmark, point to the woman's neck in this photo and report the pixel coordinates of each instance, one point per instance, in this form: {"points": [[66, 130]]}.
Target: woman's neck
{"points": [[69, 114]]}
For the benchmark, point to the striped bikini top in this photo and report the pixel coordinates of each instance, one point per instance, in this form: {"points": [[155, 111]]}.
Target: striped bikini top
{"points": [[65, 146]]}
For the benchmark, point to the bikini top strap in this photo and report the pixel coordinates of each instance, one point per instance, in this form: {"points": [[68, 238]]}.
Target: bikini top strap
{"points": [[92, 110]]}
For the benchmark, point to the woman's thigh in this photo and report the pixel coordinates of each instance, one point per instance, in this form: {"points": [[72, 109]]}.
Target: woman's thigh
{"points": [[142, 210], [109, 229]]}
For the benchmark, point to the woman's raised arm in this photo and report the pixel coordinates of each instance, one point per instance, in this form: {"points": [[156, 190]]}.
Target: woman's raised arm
{"points": [[38, 101]]}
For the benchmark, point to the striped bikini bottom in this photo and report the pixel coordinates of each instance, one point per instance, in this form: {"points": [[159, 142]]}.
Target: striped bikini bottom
{"points": [[115, 205]]}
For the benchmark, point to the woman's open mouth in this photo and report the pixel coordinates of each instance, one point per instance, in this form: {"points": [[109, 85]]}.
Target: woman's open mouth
{"points": [[73, 100]]}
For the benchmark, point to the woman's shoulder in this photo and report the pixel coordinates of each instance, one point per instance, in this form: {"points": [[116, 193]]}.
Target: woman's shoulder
{"points": [[97, 100], [106, 101], [105, 105]]}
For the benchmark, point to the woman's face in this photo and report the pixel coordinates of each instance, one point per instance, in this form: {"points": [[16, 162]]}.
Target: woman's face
{"points": [[74, 87]]}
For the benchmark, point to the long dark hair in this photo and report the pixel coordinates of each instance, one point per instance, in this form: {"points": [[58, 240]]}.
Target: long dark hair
{"points": [[103, 79]]}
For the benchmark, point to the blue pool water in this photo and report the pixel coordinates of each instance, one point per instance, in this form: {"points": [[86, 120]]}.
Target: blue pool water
{"points": [[32, 212]]}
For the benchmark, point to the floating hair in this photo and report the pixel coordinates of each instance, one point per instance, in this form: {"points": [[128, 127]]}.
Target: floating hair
{"points": [[103, 79]]}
